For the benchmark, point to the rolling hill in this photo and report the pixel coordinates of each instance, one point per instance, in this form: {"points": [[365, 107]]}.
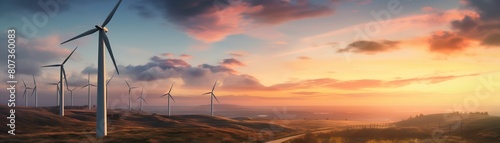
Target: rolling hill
{"points": [[44, 125]]}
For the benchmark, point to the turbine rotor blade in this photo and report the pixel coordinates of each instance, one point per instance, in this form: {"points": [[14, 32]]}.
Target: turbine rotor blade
{"points": [[32, 91], [206, 93], [216, 98], [171, 97], [111, 14], [24, 83], [171, 88], [214, 85], [34, 81], [127, 83], [108, 46], [81, 35], [64, 75], [110, 79], [54, 65], [69, 56], [144, 100]]}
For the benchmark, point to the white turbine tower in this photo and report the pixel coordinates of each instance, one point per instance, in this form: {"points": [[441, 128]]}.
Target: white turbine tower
{"points": [[24, 94], [88, 85], [57, 91], [107, 83], [142, 99], [212, 96], [62, 75], [129, 97], [169, 96], [101, 114], [34, 91]]}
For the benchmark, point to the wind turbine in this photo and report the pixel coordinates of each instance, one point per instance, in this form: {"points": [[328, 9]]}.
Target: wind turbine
{"points": [[101, 114], [57, 91], [71, 93], [61, 85], [129, 97], [142, 99], [212, 96], [24, 94], [88, 85], [34, 91], [107, 83], [168, 97]]}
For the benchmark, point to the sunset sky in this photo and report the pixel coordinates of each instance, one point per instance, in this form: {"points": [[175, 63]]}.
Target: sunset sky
{"points": [[267, 52]]}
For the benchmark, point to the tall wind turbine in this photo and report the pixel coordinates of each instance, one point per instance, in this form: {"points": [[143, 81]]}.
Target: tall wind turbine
{"points": [[57, 91], [168, 97], [129, 97], [101, 114], [142, 99], [34, 91], [24, 94], [107, 83], [88, 85], [71, 93], [212, 96], [62, 75]]}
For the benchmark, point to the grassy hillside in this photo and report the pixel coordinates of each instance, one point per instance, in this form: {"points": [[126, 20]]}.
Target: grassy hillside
{"points": [[455, 128], [44, 125]]}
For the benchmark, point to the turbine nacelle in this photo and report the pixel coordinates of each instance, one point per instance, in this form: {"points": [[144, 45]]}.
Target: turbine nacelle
{"points": [[102, 28]]}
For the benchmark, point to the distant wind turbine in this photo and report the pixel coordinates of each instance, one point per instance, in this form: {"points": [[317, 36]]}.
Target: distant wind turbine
{"points": [[88, 85], [24, 94], [34, 91], [212, 96], [62, 75], [101, 113], [57, 91], [129, 97], [71, 93], [141, 99], [168, 98]]}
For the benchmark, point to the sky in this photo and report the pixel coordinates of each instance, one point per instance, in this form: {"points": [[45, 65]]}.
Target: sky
{"points": [[266, 52]]}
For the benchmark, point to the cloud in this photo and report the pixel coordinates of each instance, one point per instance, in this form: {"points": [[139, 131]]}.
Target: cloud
{"points": [[232, 62], [185, 56], [483, 28], [213, 20], [488, 9], [279, 11], [364, 83], [447, 42], [428, 9], [303, 58], [370, 47], [32, 54], [89, 69], [167, 54], [193, 76], [492, 40], [238, 53]]}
